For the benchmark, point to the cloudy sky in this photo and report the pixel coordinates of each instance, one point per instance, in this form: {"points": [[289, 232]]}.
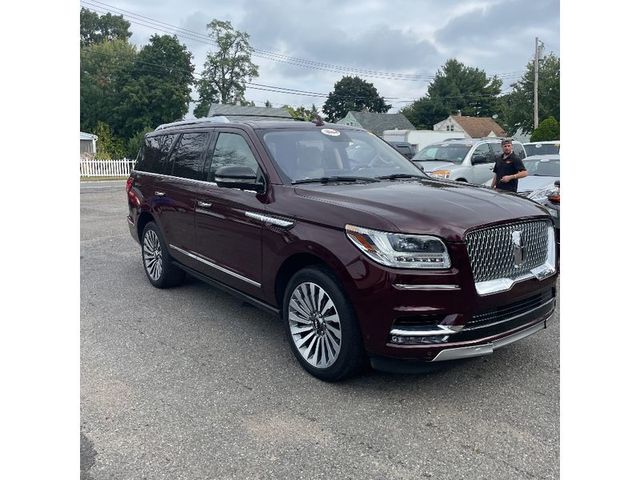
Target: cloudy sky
{"points": [[397, 45]]}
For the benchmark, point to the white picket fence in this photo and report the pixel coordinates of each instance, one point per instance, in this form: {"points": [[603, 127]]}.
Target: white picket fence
{"points": [[106, 168]]}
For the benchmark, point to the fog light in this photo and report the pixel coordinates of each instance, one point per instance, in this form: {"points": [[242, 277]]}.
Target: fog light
{"points": [[419, 340]]}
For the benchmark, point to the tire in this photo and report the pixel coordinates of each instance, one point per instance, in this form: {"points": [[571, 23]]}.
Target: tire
{"points": [[161, 272], [321, 326]]}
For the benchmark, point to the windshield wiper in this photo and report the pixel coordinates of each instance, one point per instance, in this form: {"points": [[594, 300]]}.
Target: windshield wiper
{"points": [[336, 178], [394, 176]]}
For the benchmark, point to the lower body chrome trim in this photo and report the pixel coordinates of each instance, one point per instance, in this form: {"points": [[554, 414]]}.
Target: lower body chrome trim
{"points": [[487, 348], [404, 286], [213, 265], [436, 330]]}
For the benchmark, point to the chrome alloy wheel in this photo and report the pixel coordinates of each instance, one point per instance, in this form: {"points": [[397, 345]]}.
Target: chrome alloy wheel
{"points": [[315, 325], [152, 254]]}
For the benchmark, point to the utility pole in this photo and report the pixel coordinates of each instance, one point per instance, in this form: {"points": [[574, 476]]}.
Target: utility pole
{"points": [[535, 86]]}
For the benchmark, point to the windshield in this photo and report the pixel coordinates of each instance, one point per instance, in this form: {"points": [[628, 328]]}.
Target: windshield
{"points": [[336, 154], [448, 152], [543, 167], [542, 148]]}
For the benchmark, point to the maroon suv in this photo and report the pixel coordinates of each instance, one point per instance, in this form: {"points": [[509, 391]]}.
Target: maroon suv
{"points": [[363, 256]]}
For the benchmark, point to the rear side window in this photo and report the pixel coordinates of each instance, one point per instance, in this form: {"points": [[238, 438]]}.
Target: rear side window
{"points": [[230, 149], [188, 155], [154, 153]]}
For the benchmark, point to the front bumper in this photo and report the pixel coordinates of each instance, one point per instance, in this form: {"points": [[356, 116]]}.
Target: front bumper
{"points": [[442, 315]]}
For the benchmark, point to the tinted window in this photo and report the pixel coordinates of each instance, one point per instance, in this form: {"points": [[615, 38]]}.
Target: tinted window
{"points": [[230, 149], [151, 155], [496, 148], [187, 156], [154, 153]]}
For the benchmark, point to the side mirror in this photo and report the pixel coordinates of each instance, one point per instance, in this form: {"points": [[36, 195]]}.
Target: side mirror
{"points": [[480, 158], [557, 183], [238, 176]]}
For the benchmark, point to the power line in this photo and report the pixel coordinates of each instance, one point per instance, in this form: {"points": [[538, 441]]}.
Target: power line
{"points": [[262, 53]]}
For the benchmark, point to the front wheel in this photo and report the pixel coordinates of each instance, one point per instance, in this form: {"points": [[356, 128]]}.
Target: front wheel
{"points": [[321, 326]]}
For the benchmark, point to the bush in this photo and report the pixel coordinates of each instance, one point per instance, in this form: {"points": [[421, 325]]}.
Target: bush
{"points": [[549, 129], [135, 142], [108, 146]]}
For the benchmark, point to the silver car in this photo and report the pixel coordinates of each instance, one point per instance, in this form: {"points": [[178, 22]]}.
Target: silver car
{"points": [[466, 160], [542, 148], [543, 170]]}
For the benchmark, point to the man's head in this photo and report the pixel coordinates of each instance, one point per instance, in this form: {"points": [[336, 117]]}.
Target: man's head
{"points": [[507, 146]]}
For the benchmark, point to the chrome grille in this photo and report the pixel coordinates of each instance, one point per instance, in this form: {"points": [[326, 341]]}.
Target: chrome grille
{"points": [[491, 250]]}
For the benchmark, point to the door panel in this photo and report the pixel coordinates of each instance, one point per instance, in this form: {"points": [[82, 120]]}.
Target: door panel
{"points": [[482, 171], [226, 237]]}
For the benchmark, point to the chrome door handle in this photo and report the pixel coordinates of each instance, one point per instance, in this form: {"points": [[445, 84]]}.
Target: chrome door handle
{"points": [[159, 194], [203, 204]]}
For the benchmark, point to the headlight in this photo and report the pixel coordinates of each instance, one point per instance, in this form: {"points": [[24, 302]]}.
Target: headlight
{"points": [[400, 250], [440, 173]]}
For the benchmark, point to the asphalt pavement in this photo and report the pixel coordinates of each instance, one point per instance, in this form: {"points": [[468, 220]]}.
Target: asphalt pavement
{"points": [[192, 383]]}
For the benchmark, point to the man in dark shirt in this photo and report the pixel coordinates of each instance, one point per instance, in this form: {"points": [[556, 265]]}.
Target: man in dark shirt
{"points": [[508, 169]]}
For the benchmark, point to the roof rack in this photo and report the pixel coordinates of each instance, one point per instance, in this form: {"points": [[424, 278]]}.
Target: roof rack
{"points": [[220, 118]]}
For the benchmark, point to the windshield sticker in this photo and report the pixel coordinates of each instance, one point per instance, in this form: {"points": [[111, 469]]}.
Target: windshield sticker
{"points": [[331, 132]]}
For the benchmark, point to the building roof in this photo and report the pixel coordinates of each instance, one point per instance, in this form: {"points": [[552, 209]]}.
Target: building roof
{"points": [[88, 136], [222, 109], [478, 127], [379, 122]]}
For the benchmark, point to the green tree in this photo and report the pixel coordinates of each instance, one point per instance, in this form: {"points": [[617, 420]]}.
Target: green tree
{"points": [[518, 104], [95, 28], [104, 69], [353, 94], [302, 113], [227, 70], [108, 146], [456, 87], [158, 89], [549, 129]]}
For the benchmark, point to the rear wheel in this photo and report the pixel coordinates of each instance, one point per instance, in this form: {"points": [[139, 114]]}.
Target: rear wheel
{"points": [[156, 260], [321, 326]]}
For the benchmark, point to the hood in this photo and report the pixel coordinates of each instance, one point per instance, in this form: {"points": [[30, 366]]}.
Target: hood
{"points": [[442, 208], [532, 182], [431, 165]]}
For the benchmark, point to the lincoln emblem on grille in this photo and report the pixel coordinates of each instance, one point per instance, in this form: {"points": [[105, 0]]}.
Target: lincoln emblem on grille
{"points": [[518, 249]]}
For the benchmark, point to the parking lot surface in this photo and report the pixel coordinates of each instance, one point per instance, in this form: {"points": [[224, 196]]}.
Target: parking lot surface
{"points": [[191, 383]]}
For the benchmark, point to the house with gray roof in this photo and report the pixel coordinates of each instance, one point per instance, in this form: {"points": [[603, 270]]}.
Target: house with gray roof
{"points": [[377, 122], [87, 144], [248, 111]]}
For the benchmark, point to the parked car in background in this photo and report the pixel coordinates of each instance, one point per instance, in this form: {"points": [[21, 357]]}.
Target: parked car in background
{"points": [[542, 185], [464, 160], [405, 148], [364, 260], [543, 171], [542, 148]]}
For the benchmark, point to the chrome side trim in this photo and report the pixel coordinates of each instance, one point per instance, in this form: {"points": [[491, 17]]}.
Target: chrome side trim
{"points": [[404, 286], [213, 265], [437, 330], [468, 329], [189, 180], [278, 222], [486, 349]]}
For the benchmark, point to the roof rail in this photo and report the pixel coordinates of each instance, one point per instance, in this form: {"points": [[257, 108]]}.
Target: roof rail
{"points": [[194, 121], [221, 118]]}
